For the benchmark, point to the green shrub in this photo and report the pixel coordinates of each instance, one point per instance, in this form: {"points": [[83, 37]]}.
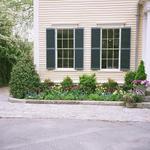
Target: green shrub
{"points": [[140, 74], [94, 97], [115, 97], [132, 98], [24, 78], [128, 98], [49, 83], [138, 98], [87, 83], [110, 86], [45, 86], [50, 96], [67, 83], [129, 78], [69, 96]]}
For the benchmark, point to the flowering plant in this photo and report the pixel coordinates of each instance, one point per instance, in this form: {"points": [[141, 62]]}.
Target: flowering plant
{"points": [[140, 86], [145, 83]]}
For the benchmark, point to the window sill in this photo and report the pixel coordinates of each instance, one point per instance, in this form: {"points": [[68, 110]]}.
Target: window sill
{"points": [[65, 70], [110, 70]]}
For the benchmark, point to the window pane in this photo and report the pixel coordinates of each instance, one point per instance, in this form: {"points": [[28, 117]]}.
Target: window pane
{"points": [[116, 43], [116, 54], [104, 33], [59, 44], [71, 34], [70, 43], [65, 63], [65, 43], [70, 53], [59, 34], [110, 64], [70, 63], [65, 54], [65, 33], [110, 54], [59, 63], [65, 48], [110, 43], [59, 53], [103, 64], [116, 63], [104, 44], [110, 33], [116, 33], [104, 54]]}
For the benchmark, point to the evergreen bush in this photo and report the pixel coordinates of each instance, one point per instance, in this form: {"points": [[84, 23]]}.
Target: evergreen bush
{"points": [[129, 78], [87, 83], [67, 83], [140, 74], [24, 78]]}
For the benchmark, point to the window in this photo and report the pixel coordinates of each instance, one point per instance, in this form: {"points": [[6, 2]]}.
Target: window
{"points": [[110, 48], [65, 48]]}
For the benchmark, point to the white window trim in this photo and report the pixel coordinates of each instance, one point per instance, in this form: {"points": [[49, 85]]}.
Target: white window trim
{"points": [[111, 25], [56, 64], [119, 66], [65, 25]]}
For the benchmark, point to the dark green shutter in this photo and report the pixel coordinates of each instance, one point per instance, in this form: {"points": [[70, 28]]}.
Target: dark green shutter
{"points": [[125, 48], [79, 48], [95, 48], [50, 49]]}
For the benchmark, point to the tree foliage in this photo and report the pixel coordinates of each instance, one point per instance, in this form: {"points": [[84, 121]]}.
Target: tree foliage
{"points": [[13, 14], [19, 12]]}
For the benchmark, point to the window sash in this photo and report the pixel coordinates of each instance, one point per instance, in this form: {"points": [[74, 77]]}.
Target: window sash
{"points": [[69, 59], [101, 47]]}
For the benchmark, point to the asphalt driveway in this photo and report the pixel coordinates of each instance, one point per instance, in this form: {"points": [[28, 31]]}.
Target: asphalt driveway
{"points": [[72, 127], [62, 134]]}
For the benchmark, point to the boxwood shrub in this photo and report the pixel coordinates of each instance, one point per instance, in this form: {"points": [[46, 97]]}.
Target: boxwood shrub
{"points": [[24, 78], [88, 83]]}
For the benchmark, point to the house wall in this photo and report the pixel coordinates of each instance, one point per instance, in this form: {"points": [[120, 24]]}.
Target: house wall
{"points": [[86, 14]]}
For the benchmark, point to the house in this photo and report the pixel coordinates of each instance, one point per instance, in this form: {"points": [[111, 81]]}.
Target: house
{"points": [[105, 37]]}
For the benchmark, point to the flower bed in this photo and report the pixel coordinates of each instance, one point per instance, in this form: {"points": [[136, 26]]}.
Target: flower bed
{"points": [[56, 93], [25, 83], [109, 91]]}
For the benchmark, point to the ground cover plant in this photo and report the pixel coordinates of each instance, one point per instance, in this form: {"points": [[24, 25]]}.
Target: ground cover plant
{"points": [[82, 91]]}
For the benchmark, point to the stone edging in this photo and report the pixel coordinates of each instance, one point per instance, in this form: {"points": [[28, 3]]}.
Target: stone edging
{"points": [[75, 102], [30, 101]]}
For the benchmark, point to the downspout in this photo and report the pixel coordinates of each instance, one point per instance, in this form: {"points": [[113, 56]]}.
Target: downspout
{"points": [[137, 35], [140, 4]]}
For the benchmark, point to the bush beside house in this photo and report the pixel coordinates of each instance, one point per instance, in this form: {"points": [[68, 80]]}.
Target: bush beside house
{"points": [[140, 74], [24, 79]]}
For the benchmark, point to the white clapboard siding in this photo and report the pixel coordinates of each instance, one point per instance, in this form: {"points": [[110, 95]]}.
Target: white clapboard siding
{"points": [[87, 14]]}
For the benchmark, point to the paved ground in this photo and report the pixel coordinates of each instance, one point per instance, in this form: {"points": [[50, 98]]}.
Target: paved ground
{"points": [[60, 134], [106, 113], [65, 127]]}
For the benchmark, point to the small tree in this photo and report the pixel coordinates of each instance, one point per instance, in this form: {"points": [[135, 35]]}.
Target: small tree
{"points": [[140, 74], [24, 78]]}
